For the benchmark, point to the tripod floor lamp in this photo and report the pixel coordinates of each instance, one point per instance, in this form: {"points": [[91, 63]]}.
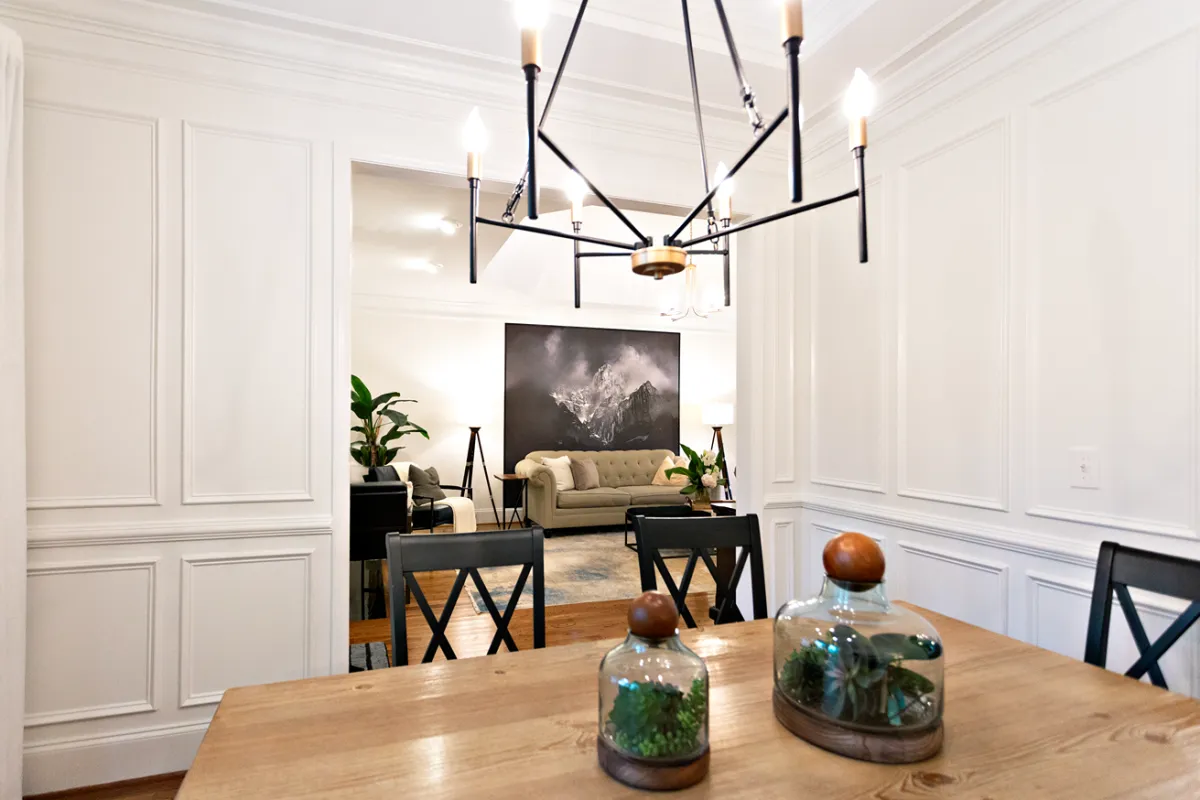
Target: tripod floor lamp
{"points": [[469, 471], [718, 416]]}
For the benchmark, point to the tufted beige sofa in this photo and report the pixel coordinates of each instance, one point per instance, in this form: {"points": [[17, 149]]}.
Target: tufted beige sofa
{"points": [[625, 477]]}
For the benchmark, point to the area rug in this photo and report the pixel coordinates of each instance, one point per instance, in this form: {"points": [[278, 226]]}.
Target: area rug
{"points": [[372, 655], [582, 569]]}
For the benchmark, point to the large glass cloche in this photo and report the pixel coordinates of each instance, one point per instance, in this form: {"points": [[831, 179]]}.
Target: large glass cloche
{"points": [[854, 673]]}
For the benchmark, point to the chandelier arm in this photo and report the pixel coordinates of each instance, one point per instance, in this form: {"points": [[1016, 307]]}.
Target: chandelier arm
{"points": [[531, 78], [748, 98], [727, 278], [861, 179], [603, 197], [576, 226], [766, 134], [754, 223], [623, 254], [558, 234], [691, 56], [792, 48], [519, 186]]}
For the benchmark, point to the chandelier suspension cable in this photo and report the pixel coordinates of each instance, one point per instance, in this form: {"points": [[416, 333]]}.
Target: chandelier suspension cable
{"points": [[519, 187], [749, 101]]}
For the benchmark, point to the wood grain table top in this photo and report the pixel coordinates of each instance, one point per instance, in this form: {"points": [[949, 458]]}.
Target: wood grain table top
{"points": [[1021, 723]]}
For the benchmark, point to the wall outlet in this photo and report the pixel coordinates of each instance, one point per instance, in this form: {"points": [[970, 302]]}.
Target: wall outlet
{"points": [[1085, 467]]}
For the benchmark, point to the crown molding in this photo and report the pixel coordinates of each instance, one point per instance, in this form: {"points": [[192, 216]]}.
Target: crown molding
{"points": [[351, 73]]}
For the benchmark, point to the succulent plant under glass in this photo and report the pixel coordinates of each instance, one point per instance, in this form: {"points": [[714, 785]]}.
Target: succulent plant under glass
{"points": [[653, 726], [854, 673]]}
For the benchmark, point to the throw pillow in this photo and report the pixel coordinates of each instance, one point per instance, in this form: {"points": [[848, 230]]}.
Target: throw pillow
{"points": [[585, 474], [425, 483], [670, 462], [561, 467]]}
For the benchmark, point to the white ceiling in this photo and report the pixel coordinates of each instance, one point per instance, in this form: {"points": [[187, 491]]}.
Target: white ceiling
{"points": [[626, 48]]}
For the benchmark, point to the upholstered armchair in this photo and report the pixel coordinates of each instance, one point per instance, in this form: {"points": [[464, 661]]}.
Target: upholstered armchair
{"points": [[456, 511]]}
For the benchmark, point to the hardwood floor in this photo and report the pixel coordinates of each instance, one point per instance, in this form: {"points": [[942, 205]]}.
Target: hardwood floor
{"points": [[469, 634]]}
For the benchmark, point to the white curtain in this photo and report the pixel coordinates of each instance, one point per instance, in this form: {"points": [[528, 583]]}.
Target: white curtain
{"points": [[12, 415]]}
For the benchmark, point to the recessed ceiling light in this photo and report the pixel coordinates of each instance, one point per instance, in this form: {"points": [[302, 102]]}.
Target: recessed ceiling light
{"points": [[421, 265], [436, 222]]}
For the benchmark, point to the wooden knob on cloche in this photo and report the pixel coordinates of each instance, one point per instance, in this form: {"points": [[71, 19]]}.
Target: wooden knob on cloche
{"points": [[853, 558], [653, 616]]}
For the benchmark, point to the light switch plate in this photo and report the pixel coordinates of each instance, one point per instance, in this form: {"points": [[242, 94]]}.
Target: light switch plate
{"points": [[1085, 468]]}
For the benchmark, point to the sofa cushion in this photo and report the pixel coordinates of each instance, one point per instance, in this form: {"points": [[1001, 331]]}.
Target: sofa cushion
{"points": [[617, 467], [425, 483], [593, 498], [661, 478], [561, 467], [585, 474], [655, 495]]}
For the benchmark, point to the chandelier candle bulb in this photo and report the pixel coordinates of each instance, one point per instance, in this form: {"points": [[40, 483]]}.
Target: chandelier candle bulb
{"points": [[576, 190], [725, 186], [791, 19], [532, 16], [857, 105], [475, 141]]}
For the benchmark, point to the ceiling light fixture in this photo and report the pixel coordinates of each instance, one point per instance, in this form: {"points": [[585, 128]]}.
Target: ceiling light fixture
{"points": [[672, 254], [690, 304], [436, 222]]}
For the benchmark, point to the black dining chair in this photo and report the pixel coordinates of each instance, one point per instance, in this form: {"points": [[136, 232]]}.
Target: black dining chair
{"points": [[467, 553], [1119, 568], [699, 536]]}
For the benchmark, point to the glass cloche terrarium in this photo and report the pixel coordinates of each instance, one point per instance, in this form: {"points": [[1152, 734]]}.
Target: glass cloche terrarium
{"points": [[853, 673], [653, 703]]}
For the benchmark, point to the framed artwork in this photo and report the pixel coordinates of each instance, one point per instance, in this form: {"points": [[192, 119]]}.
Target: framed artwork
{"points": [[589, 389]]}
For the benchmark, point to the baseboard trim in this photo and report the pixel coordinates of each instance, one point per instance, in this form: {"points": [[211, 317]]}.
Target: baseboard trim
{"points": [[61, 764], [118, 788]]}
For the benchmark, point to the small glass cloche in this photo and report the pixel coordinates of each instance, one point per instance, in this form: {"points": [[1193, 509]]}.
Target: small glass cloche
{"points": [[853, 673], [653, 702]]}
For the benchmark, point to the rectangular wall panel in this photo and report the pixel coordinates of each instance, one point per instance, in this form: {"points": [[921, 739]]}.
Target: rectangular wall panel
{"points": [[952, 374], [1058, 621], [245, 618], [959, 586], [247, 334], [90, 652], [848, 447], [91, 250], [1112, 352]]}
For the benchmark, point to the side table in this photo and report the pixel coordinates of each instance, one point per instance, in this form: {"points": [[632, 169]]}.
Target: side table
{"points": [[519, 515]]}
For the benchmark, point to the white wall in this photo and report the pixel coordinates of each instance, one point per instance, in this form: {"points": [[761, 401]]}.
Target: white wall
{"points": [[1032, 289], [189, 234]]}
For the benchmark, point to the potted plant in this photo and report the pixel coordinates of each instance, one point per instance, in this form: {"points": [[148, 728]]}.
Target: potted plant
{"points": [[704, 474], [380, 425]]}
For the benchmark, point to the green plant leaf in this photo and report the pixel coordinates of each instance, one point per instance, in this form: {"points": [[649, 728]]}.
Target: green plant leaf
{"points": [[388, 455], [897, 646], [358, 456], [361, 393], [689, 452], [361, 410], [359, 429], [677, 471], [383, 399]]}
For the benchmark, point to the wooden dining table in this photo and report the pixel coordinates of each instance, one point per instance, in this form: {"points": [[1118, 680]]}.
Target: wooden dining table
{"points": [[1021, 723]]}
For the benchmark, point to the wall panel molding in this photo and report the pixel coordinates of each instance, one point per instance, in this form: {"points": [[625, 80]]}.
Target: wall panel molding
{"points": [[191, 495], [189, 696], [155, 129], [997, 570], [1038, 505], [879, 205], [50, 536], [1000, 500], [139, 705], [1065, 551]]}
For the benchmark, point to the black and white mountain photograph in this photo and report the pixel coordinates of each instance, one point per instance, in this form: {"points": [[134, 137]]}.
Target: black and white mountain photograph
{"points": [[589, 389]]}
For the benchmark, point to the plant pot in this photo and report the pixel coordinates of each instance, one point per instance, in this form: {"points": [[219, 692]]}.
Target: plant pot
{"points": [[373, 475]]}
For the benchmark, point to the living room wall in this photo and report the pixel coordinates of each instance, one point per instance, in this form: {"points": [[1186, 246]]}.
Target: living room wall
{"points": [[439, 340]]}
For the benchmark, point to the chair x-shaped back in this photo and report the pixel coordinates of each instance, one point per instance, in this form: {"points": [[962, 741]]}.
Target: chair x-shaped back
{"points": [[699, 536], [467, 553], [1117, 569]]}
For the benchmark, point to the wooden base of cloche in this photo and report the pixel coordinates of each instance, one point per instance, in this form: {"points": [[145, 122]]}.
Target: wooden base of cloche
{"points": [[882, 748], [651, 774]]}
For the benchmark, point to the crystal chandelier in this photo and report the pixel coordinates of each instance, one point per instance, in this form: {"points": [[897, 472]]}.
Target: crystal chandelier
{"points": [[673, 252]]}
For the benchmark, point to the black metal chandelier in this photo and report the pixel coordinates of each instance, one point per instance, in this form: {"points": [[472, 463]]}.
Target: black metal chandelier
{"points": [[674, 252]]}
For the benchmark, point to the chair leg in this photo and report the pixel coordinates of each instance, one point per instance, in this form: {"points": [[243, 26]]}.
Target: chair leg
{"points": [[362, 588]]}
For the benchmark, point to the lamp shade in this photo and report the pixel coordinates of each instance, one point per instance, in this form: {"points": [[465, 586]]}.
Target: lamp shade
{"points": [[717, 415]]}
